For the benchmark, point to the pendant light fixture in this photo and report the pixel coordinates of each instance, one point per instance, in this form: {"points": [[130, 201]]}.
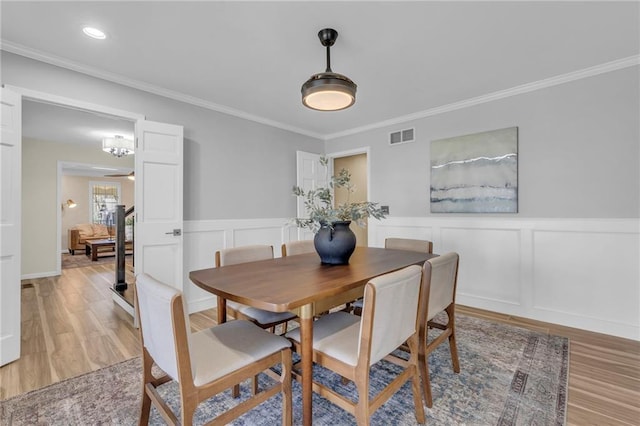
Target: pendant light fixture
{"points": [[328, 91], [118, 146]]}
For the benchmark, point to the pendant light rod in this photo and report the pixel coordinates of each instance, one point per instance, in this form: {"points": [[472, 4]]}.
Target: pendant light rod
{"points": [[328, 37], [328, 60]]}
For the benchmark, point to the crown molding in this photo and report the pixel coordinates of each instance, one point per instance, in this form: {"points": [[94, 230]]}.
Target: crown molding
{"points": [[501, 94], [150, 88], [489, 97]]}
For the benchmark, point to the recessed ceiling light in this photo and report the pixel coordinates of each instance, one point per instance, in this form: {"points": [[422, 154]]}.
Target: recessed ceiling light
{"points": [[94, 33]]}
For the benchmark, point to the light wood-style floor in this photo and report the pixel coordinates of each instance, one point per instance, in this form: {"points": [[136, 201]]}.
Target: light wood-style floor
{"points": [[71, 326]]}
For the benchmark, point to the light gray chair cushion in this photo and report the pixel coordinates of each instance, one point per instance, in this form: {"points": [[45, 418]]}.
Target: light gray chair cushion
{"points": [[336, 334], [260, 315], [340, 334], [227, 347]]}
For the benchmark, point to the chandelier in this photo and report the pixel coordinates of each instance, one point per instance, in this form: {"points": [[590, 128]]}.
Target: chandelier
{"points": [[117, 146]]}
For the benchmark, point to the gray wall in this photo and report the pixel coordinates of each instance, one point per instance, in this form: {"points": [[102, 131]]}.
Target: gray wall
{"points": [[233, 168], [578, 150], [578, 147]]}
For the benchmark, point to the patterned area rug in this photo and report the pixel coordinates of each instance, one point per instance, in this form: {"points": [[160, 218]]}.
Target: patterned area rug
{"points": [[509, 376]]}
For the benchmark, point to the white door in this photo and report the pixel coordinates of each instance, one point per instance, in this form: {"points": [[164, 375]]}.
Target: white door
{"points": [[158, 249], [310, 175], [10, 200]]}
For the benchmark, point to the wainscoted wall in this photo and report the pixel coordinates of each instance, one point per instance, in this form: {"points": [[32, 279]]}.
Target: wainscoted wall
{"points": [[203, 238], [580, 273]]}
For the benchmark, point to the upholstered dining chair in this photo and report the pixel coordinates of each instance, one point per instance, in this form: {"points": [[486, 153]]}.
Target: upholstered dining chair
{"points": [[350, 345], [440, 276], [252, 253], [423, 246], [204, 363], [408, 244], [297, 247]]}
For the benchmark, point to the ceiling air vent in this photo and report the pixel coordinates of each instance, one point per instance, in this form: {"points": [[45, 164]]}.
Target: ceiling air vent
{"points": [[402, 136]]}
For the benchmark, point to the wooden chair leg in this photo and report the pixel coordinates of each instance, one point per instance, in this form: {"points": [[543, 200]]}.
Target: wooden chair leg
{"points": [[414, 360], [145, 408], [189, 406], [147, 377], [423, 365], [254, 385], [285, 379], [453, 348], [362, 410]]}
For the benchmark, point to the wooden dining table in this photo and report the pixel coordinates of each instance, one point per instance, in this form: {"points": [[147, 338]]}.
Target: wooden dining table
{"points": [[303, 285]]}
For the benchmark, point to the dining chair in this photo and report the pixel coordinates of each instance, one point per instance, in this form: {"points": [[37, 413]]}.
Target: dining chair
{"points": [[349, 345], [204, 363], [440, 276], [297, 247], [252, 253], [422, 246]]}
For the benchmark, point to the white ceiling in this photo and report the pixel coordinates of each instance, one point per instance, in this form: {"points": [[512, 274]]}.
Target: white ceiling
{"points": [[250, 58], [52, 123]]}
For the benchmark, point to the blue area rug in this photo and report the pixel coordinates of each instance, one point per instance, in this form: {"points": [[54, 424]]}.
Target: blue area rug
{"points": [[509, 376]]}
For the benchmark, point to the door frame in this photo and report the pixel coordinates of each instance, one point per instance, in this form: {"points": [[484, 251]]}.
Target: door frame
{"points": [[38, 96], [356, 151], [348, 153], [62, 101]]}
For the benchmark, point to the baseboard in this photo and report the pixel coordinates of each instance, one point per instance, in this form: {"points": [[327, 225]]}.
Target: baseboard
{"points": [[39, 275]]}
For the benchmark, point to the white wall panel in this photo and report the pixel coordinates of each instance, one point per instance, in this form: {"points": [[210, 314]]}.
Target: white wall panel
{"points": [[581, 273], [489, 262], [584, 274], [203, 238], [260, 235]]}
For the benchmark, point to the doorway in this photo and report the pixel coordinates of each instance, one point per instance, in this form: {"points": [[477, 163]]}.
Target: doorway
{"points": [[72, 138], [357, 166], [159, 161]]}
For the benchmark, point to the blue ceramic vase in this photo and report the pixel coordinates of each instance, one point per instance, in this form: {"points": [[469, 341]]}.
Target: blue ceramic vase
{"points": [[336, 244]]}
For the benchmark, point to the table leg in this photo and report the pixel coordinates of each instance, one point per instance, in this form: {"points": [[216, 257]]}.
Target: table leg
{"points": [[222, 310], [306, 344], [94, 253]]}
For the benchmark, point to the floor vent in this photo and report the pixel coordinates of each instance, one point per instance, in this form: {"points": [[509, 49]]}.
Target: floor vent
{"points": [[402, 136], [27, 285]]}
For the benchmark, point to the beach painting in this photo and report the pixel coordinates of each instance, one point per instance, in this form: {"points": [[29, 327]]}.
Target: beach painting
{"points": [[475, 173]]}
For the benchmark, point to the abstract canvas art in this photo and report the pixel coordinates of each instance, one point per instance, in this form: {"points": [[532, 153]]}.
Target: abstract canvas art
{"points": [[475, 173]]}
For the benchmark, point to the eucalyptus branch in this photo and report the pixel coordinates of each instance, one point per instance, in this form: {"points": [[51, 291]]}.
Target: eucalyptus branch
{"points": [[319, 203]]}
